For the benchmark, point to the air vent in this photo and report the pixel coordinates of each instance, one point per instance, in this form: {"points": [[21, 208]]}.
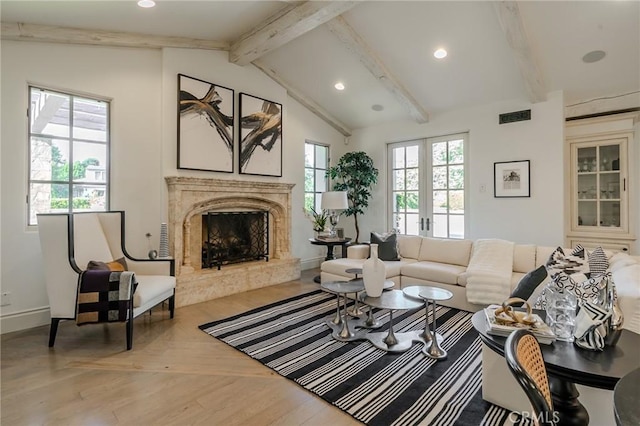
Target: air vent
{"points": [[512, 117]]}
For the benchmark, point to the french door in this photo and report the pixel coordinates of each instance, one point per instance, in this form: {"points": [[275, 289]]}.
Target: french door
{"points": [[427, 186]]}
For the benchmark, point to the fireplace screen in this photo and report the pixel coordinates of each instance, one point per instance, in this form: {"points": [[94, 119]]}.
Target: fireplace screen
{"points": [[232, 237]]}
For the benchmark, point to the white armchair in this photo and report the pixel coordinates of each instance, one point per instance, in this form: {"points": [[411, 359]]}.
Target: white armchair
{"points": [[70, 240]]}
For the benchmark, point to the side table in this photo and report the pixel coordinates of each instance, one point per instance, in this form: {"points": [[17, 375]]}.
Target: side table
{"points": [[431, 339], [342, 331], [330, 245]]}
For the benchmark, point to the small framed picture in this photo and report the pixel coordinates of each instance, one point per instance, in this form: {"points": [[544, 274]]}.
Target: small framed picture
{"points": [[511, 179]]}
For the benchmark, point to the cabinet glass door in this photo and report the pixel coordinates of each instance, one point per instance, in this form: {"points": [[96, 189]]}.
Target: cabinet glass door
{"points": [[598, 185]]}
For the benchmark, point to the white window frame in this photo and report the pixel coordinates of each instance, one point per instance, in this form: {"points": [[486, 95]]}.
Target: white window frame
{"points": [[70, 138], [315, 168]]}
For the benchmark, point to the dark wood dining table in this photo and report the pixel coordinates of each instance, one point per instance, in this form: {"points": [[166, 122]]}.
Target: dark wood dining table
{"points": [[626, 406], [568, 365]]}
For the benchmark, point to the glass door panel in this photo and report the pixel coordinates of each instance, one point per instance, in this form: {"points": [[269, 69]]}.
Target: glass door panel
{"points": [[427, 186]]}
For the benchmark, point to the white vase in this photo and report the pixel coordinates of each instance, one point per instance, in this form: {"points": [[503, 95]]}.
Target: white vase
{"points": [[373, 273]]}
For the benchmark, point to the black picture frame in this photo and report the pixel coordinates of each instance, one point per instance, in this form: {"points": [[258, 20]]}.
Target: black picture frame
{"points": [[205, 125], [260, 135], [512, 179]]}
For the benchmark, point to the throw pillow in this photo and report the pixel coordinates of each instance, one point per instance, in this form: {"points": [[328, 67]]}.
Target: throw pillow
{"points": [[573, 263], [529, 283], [387, 245], [117, 265], [598, 263]]}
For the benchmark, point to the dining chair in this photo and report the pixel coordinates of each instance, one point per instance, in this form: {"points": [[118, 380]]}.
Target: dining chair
{"points": [[524, 359]]}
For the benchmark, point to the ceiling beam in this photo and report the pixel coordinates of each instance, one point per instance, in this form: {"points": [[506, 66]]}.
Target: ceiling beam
{"points": [[356, 45], [284, 27], [511, 22], [54, 34], [307, 102]]}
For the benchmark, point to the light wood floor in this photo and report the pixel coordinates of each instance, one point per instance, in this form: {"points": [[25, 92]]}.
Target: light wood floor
{"points": [[174, 375]]}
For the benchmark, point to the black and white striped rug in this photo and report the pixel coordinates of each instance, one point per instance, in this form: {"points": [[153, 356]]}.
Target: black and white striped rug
{"points": [[373, 386]]}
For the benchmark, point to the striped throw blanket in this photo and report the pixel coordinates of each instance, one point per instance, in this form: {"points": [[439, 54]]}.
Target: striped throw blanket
{"points": [[104, 296]]}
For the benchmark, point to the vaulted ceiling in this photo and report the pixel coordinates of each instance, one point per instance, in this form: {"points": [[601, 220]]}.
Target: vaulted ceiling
{"points": [[382, 51]]}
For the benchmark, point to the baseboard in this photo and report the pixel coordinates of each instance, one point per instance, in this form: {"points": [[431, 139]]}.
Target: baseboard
{"points": [[312, 263], [23, 320]]}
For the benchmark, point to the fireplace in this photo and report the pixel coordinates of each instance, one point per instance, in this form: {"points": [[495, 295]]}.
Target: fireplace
{"points": [[192, 198], [234, 237]]}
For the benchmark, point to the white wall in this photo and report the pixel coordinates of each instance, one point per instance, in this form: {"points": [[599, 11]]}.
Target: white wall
{"points": [[142, 84], [536, 220]]}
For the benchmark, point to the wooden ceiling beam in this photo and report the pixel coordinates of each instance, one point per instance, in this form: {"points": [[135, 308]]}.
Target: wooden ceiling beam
{"points": [[284, 27], [54, 34], [355, 44], [511, 22], [307, 102]]}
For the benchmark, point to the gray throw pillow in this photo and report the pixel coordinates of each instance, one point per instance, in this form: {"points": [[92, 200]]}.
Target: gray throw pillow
{"points": [[529, 283], [387, 245]]}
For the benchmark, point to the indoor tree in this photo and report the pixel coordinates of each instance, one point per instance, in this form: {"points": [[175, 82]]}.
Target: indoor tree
{"points": [[356, 175]]}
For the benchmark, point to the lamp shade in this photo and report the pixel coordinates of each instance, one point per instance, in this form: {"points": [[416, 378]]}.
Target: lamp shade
{"points": [[334, 200]]}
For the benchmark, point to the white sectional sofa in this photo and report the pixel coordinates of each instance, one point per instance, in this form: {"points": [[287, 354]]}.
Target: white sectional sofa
{"points": [[443, 263]]}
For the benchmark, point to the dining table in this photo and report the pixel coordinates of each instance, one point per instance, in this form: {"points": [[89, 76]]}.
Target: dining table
{"points": [[568, 365]]}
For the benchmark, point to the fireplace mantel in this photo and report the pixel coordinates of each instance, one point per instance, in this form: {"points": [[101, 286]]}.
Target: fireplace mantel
{"points": [[189, 198]]}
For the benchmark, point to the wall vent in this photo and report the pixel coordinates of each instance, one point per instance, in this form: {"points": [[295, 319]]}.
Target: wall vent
{"points": [[512, 117]]}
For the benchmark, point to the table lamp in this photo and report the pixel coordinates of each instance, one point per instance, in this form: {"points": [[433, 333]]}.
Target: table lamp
{"points": [[334, 202]]}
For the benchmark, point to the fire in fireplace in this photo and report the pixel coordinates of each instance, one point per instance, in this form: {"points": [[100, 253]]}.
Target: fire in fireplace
{"points": [[233, 237]]}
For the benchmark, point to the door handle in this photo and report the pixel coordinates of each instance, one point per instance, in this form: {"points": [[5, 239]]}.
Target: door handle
{"points": [[428, 224], [422, 223]]}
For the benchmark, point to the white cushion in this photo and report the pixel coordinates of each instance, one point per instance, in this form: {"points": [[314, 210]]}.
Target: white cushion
{"points": [[432, 271], [627, 281], [150, 286], [524, 257], [409, 246], [339, 266], [89, 240], [620, 260], [454, 252], [358, 251]]}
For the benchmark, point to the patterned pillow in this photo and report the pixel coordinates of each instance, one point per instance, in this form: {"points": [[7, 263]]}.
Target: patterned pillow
{"points": [[573, 263], [598, 263]]}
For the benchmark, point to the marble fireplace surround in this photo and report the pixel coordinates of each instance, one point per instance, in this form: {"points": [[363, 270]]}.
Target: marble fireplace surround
{"points": [[190, 198]]}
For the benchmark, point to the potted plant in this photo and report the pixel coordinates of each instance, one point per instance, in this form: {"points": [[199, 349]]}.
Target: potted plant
{"points": [[318, 220], [356, 175]]}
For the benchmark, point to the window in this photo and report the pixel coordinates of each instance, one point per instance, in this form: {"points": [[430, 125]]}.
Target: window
{"points": [[68, 153], [316, 163], [427, 186]]}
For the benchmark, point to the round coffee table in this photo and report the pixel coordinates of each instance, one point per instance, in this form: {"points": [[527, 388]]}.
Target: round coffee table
{"points": [[355, 310], [432, 339], [370, 321], [390, 341], [342, 331]]}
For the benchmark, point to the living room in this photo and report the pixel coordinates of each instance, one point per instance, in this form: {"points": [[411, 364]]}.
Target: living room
{"points": [[142, 87]]}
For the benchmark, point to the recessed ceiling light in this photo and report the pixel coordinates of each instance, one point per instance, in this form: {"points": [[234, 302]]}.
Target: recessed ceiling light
{"points": [[377, 107], [593, 56], [146, 3], [440, 53], [339, 86]]}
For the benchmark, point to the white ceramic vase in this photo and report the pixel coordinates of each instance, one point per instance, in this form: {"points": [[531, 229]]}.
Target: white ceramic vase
{"points": [[373, 273]]}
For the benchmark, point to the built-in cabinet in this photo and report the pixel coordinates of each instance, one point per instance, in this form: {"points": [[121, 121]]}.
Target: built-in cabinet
{"points": [[599, 197]]}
